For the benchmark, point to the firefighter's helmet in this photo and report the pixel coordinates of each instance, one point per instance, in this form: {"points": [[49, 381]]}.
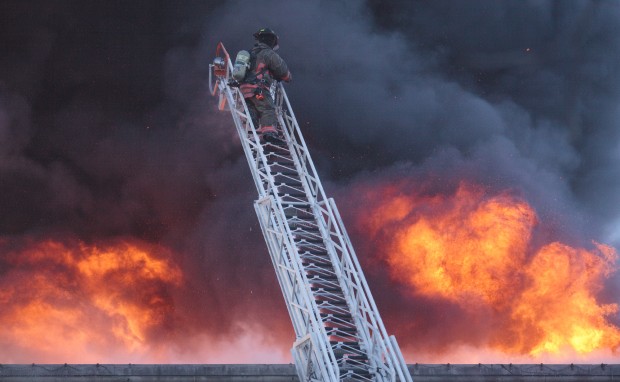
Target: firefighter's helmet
{"points": [[267, 36]]}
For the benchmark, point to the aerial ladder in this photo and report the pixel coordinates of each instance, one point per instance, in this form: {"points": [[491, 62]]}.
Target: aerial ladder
{"points": [[339, 333]]}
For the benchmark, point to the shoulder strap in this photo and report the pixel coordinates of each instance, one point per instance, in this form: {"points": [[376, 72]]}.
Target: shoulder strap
{"points": [[252, 60], [251, 76]]}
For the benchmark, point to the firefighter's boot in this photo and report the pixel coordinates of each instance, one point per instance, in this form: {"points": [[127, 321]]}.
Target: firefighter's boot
{"points": [[270, 135]]}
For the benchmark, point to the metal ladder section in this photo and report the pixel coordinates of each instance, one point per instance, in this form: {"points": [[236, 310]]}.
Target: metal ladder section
{"points": [[339, 333]]}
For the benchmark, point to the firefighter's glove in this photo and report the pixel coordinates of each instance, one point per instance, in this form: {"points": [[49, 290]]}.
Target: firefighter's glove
{"points": [[287, 78]]}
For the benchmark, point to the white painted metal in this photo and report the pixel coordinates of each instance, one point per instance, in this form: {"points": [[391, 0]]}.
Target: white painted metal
{"points": [[339, 333]]}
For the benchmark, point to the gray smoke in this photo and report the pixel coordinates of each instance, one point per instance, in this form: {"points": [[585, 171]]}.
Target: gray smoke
{"points": [[107, 128], [523, 94], [518, 96]]}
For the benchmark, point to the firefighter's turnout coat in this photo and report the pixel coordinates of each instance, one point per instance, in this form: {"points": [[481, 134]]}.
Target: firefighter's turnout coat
{"points": [[266, 66]]}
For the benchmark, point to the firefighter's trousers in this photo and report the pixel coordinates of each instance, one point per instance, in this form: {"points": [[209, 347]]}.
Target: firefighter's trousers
{"points": [[263, 112]]}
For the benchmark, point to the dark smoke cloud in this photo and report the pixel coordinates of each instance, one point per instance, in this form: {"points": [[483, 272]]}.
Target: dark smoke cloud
{"points": [[107, 131], [552, 64], [524, 95], [107, 128]]}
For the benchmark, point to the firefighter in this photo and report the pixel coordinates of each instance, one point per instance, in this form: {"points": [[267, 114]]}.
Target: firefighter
{"points": [[265, 67]]}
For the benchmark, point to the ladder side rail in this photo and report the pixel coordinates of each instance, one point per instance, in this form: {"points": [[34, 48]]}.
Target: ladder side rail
{"points": [[260, 177], [299, 310], [351, 296], [364, 296], [313, 359], [366, 320], [394, 355], [279, 215], [317, 191], [340, 246], [239, 110], [247, 144], [285, 271], [306, 318], [336, 241], [315, 327], [310, 181], [297, 153], [367, 315], [361, 311], [300, 149], [404, 373], [363, 302], [318, 333], [311, 178]]}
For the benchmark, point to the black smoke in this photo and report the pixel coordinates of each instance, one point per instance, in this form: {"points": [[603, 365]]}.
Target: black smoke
{"points": [[107, 128]]}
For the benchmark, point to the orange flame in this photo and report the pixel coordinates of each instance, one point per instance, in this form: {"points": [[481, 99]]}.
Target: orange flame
{"points": [[476, 251], [77, 302]]}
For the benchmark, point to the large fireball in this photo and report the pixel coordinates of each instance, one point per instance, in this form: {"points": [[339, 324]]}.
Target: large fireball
{"points": [[78, 302], [477, 250]]}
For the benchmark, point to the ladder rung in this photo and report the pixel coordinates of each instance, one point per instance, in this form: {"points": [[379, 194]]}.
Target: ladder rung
{"points": [[292, 194], [350, 344], [279, 162], [286, 173], [319, 272], [337, 305], [314, 252], [277, 167], [295, 204], [302, 246], [317, 259], [276, 158], [322, 289], [277, 145], [349, 329], [291, 190], [314, 258], [287, 189], [306, 218], [352, 372], [289, 183], [334, 302], [307, 240], [325, 284], [317, 264], [310, 230], [320, 281], [336, 315], [357, 357], [276, 149], [340, 329], [299, 234]]}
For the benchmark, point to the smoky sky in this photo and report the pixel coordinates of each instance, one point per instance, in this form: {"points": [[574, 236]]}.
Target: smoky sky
{"points": [[107, 129]]}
